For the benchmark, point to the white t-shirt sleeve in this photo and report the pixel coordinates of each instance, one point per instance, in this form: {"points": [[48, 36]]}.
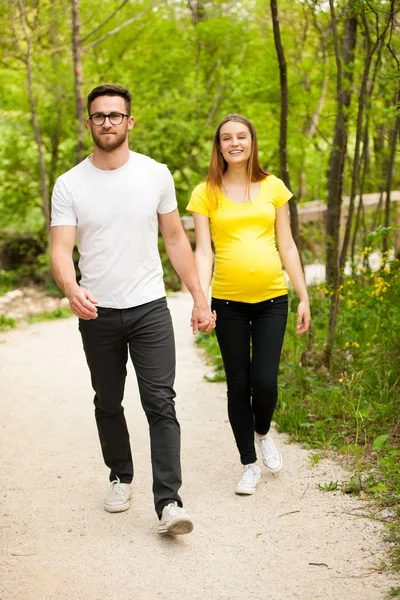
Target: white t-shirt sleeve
{"points": [[62, 207], [167, 201]]}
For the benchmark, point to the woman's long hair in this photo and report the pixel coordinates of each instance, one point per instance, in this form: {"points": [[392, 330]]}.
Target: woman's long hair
{"points": [[218, 164]]}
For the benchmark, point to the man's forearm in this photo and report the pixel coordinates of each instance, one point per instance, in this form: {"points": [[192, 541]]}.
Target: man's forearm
{"points": [[62, 267], [182, 259], [204, 265]]}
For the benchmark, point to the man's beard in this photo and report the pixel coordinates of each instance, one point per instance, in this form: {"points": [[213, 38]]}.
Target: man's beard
{"points": [[108, 144]]}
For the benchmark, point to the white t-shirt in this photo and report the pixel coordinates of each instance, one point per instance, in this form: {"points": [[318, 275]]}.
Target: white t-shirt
{"points": [[115, 213]]}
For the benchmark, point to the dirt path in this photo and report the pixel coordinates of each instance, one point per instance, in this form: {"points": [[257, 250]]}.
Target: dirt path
{"points": [[288, 541]]}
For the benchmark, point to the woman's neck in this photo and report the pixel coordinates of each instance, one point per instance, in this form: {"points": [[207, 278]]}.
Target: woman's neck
{"points": [[236, 186], [236, 175]]}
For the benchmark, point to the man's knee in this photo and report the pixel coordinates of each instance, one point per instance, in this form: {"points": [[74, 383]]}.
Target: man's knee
{"points": [[107, 407]]}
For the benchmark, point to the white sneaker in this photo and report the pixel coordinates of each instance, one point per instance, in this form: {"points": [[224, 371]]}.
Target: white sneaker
{"points": [[270, 454], [175, 520], [250, 479], [118, 496]]}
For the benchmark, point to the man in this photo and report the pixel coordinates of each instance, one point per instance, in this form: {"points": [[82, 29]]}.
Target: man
{"points": [[113, 203]]}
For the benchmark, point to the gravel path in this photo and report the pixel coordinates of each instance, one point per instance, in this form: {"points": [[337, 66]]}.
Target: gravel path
{"points": [[288, 541]]}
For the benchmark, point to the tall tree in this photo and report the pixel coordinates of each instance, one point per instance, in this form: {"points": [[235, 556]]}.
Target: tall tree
{"points": [[337, 161], [311, 125], [197, 10], [394, 132], [344, 66], [35, 122], [55, 138], [78, 75], [363, 97], [284, 164]]}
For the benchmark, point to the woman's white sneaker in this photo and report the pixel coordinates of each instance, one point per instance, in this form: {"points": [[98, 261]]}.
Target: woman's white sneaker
{"points": [[270, 454], [250, 479]]}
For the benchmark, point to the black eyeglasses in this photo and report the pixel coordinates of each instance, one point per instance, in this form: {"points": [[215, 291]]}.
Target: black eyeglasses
{"points": [[115, 118]]}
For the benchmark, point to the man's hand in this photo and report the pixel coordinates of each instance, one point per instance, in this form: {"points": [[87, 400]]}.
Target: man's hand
{"points": [[203, 319], [83, 303], [303, 318]]}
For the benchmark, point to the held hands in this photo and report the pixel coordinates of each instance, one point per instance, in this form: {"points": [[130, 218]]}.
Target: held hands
{"points": [[303, 317], [203, 319], [83, 303]]}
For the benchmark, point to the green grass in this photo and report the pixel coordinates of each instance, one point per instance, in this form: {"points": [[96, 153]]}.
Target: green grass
{"points": [[6, 323], [332, 486], [7, 281], [58, 313], [394, 593]]}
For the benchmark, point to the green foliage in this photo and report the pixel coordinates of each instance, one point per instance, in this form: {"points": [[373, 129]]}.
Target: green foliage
{"points": [[7, 281], [353, 403], [332, 486], [6, 323], [27, 262], [182, 85], [210, 345], [58, 313], [394, 593], [171, 278]]}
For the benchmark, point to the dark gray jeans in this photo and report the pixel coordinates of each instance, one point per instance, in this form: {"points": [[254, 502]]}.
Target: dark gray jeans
{"points": [[146, 331]]}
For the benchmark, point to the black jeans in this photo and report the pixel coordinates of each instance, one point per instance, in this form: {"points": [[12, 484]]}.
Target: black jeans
{"points": [[147, 332], [250, 337]]}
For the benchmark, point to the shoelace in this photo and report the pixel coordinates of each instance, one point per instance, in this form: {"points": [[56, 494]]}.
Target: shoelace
{"points": [[249, 476], [116, 491], [174, 509], [270, 448]]}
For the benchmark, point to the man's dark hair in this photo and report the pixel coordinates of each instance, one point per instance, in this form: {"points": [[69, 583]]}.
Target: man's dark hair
{"points": [[110, 89]]}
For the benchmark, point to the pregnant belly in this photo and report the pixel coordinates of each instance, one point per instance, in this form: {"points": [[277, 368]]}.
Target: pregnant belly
{"points": [[248, 279]]}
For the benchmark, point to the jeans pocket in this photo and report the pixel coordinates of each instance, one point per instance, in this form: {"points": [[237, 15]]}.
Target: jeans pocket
{"points": [[281, 299]]}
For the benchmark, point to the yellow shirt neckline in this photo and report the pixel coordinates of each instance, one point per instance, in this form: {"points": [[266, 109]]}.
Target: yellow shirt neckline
{"points": [[242, 203]]}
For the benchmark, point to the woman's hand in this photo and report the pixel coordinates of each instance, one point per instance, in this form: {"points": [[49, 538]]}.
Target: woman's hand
{"points": [[203, 319], [303, 317]]}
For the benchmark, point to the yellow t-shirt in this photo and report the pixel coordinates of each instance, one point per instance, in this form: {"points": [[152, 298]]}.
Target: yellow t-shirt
{"points": [[247, 264]]}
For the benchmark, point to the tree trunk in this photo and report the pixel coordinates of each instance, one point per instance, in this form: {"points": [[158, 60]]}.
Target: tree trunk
{"points": [[197, 10], [394, 134], [311, 126], [360, 208], [363, 98], [284, 166], [35, 122], [78, 72], [336, 167], [338, 153], [392, 154], [57, 130]]}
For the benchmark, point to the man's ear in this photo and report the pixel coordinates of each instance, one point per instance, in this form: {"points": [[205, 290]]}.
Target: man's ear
{"points": [[131, 123]]}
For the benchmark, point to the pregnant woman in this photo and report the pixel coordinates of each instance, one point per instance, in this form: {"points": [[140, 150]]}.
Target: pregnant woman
{"points": [[243, 210]]}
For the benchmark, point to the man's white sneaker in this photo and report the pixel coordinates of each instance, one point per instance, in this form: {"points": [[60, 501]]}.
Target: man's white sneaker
{"points": [[270, 454], [175, 520], [250, 479], [118, 496]]}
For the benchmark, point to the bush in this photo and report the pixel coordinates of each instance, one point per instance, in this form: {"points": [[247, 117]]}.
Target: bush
{"points": [[21, 251]]}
